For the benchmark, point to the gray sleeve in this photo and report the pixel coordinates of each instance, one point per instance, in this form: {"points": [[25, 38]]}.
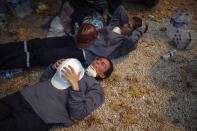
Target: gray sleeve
{"points": [[120, 17], [135, 36], [130, 42], [81, 104], [47, 74]]}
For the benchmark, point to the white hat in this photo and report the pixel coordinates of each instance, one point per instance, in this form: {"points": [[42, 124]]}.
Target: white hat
{"points": [[58, 81]]}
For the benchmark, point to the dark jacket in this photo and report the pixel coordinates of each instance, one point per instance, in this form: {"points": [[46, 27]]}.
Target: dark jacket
{"points": [[56, 106]]}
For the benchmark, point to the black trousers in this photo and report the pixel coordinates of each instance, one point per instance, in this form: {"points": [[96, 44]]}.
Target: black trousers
{"points": [[17, 115], [38, 52]]}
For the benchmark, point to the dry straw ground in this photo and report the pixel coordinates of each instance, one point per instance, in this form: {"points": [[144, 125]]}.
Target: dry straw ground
{"points": [[144, 93]]}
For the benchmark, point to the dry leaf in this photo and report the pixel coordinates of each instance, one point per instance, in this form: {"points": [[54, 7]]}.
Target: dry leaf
{"points": [[21, 34], [110, 120], [113, 105], [132, 111], [153, 116], [115, 77], [163, 12], [161, 120], [76, 122], [105, 92], [173, 99], [136, 64], [175, 121], [132, 78], [176, 54], [93, 120], [127, 119], [111, 129], [150, 92], [147, 77], [148, 129], [163, 29], [143, 90], [182, 65], [123, 93], [113, 94], [135, 92], [123, 103], [148, 102], [161, 127], [165, 84]]}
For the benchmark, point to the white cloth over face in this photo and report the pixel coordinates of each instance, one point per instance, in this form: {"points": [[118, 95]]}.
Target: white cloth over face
{"points": [[58, 81], [90, 71]]}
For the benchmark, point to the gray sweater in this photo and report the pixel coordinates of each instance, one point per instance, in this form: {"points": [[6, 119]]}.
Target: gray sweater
{"points": [[112, 45], [56, 106]]}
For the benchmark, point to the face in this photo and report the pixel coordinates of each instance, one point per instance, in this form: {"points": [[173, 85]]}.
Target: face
{"points": [[127, 28], [101, 65]]}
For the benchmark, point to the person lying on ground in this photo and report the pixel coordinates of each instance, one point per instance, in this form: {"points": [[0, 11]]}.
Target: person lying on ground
{"points": [[118, 38], [88, 8], [42, 52], [53, 101], [85, 46]]}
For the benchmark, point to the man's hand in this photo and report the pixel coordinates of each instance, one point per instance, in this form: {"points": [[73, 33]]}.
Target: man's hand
{"points": [[72, 77], [57, 64]]}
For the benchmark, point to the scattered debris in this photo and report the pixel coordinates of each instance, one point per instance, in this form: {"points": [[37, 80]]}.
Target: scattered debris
{"points": [[115, 77], [127, 119], [92, 120], [151, 16], [41, 7], [163, 29], [175, 121], [114, 106]]}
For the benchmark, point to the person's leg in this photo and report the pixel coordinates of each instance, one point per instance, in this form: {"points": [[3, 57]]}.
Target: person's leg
{"points": [[120, 17], [7, 109], [42, 52], [49, 43], [16, 54], [27, 120], [113, 5], [21, 116], [48, 56], [13, 60], [13, 55], [8, 124], [34, 44], [9, 48]]}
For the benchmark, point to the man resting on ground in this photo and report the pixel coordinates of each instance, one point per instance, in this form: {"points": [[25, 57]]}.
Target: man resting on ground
{"points": [[117, 39], [53, 101]]}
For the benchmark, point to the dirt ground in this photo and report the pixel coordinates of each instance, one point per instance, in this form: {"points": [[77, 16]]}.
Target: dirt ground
{"points": [[144, 93]]}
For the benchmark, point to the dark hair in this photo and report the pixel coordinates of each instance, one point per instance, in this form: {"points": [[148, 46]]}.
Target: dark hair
{"points": [[87, 34], [146, 28], [138, 22], [108, 72]]}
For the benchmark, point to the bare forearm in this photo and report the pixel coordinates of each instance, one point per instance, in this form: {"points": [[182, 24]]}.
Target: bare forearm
{"points": [[75, 87]]}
